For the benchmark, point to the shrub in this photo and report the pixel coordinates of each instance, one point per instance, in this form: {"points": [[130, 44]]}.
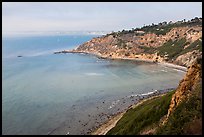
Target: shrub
{"points": [[172, 48]]}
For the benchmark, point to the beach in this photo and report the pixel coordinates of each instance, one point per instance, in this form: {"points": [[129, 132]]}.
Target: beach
{"points": [[164, 63], [108, 125]]}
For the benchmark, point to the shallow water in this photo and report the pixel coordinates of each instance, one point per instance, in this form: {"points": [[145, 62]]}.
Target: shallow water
{"points": [[46, 93]]}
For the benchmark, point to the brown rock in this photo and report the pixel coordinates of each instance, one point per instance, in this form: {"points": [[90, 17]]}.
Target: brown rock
{"points": [[186, 85]]}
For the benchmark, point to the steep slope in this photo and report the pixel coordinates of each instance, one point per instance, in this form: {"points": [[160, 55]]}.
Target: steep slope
{"points": [[178, 112], [186, 85], [185, 110]]}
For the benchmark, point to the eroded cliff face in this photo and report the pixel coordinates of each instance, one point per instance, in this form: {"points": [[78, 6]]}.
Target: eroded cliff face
{"points": [[188, 58], [142, 45], [186, 85]]}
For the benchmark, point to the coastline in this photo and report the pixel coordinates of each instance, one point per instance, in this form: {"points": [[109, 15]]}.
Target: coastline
{"points": [[171, 65], [108, 125], [182, 68], [112, 121]]}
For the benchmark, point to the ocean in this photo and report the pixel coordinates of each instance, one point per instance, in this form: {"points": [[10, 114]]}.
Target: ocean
{"points": [[45, 93]]}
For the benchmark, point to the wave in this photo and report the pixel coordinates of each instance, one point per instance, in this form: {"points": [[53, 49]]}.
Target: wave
{"points": [[164, 70], [179, 70], [38, 54], [43, 52], [149, 93], [113, 104], [94, 74], [144, 94]]}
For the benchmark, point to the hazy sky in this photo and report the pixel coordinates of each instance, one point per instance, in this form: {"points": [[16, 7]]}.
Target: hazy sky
{"points": [[81, 16]]}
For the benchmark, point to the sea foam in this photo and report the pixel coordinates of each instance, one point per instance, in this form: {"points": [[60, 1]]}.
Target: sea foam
{"points": [[94, 74]]}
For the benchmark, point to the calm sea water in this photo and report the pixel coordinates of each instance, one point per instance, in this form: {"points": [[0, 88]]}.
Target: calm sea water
{"points": [[46, 93]]}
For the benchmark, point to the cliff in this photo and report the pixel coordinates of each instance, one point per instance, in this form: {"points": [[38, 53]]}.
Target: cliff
{"points": [[186, 85], [185, 110], [178, 43]]}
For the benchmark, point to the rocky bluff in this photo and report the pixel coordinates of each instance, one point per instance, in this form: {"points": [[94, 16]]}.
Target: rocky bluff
{"points": [[179, 43]]}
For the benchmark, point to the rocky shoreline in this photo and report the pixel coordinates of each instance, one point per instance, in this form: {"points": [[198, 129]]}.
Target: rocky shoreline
{"points": [[108, 125], [105, 126]]}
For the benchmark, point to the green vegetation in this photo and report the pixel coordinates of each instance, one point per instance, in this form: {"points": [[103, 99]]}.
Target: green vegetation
{"points": [[157, 29], [149, 50], [121, 44], [164, 27], [187, 117], [196, 45], [148, 113], [172, 48], [161, 28], [176, 48]]}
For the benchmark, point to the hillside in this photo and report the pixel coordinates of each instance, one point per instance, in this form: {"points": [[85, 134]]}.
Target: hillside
{"points": [[179, 43], [177, 112]]}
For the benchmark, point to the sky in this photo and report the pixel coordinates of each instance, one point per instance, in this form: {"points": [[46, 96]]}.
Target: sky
{"points": [[92, 16]]}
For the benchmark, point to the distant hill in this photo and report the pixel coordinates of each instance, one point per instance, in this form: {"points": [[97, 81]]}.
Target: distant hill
{"points": [[179, 43]]}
